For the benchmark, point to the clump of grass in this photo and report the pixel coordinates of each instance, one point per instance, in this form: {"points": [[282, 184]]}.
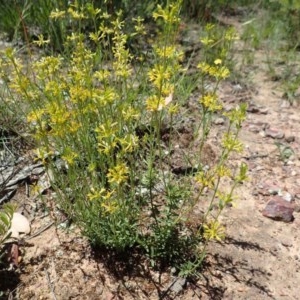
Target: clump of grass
{"points": [[98, 118]]}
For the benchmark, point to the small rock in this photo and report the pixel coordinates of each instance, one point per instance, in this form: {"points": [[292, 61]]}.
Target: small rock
{"points": [[290, 139], [262, 134], [253, 108], [297, 208], [296, 191], [38, 170], [20, 223], [178, 285], [269, 188], [263, 110], [273, 133], [219, 121], [263, 125], [287, 197], [254, 128], [286, 243], [285, 104], [279, 210]]}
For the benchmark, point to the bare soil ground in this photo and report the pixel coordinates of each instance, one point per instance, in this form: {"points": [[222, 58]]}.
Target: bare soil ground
{"points": [[260, 258]]}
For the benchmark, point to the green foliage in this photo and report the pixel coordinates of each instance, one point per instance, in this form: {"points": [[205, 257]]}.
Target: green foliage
{"points": [[289, 12], [274, 29], [98, 117], [29, 19], [6, 215]]}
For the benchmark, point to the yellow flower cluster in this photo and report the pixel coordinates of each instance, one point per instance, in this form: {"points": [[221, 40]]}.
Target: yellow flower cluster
{"points": [[210, 102], [237, 115], [231, 143], [159, 75], [214, 231], [118, 174], [217, 71], [69, 156], [168, 14], [205, 179], [105, 198], [170, 52], [139, 26], [225, 199], [164, 72], [121, 54]]}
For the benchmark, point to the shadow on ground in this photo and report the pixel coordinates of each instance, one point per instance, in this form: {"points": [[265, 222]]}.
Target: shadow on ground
{"points": [[219, 266], [9, 280], [134, 267]]}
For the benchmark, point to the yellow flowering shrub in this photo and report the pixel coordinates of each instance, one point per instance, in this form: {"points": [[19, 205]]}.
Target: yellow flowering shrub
{"points": [[104, 124]]}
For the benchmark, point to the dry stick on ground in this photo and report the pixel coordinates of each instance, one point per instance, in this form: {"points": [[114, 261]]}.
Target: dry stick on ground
{"points": [[50, 284], [40, 231]]}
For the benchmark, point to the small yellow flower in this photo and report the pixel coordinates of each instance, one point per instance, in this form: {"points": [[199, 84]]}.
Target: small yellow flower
{"points": [[139, 27], [94, 36], [69, 156], [96, 194], [206, 41], [42, 154], [230, 34], [205, 179], [76, 15], [35, 189], [214, 231], [107, 130], [57, 14], [105, 15], [169, 14], [129, 143], [92, 167], [159, 74], [41, 41], [173, 109], [237, 115], [231, 143], [225, 199], [73, 126], [102, 75], [105, 198], [92, 10], [210, 102], [169, 51], [223, 171], [222, 73], [204, 67], [209, 27], [118, 174], [242, 175], [35, 115], [110, 206], [153, 103], [217, 71], [218, 61], [130, 113], [107, 146]]}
